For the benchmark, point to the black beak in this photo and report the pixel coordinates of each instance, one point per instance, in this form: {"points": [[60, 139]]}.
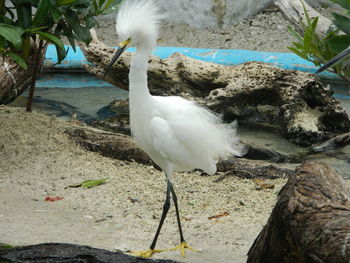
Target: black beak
{"points": [[120, 51], [334, 60]]}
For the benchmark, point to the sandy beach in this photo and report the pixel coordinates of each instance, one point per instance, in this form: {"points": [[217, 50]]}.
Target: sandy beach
{"points": [[37, 159]]}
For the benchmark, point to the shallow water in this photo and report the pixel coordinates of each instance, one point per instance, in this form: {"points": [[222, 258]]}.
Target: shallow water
{"points": [[64, 102], [86, 103]]}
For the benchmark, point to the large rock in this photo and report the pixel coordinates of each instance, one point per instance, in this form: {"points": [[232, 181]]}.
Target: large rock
{"points": [[294, 102]]}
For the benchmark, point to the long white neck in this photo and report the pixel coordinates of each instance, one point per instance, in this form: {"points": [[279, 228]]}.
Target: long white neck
{"points": [[139, 97], [138, 88]]}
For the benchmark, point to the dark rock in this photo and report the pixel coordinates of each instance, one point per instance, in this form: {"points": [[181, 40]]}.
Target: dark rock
{"points": [[68, 253]]}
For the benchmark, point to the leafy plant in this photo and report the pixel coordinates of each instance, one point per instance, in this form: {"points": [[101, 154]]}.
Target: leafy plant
{"points": [[25, 22], [319, 50], [89, 183]]}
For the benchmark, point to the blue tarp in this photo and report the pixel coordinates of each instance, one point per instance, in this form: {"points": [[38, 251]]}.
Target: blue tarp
{"points": [[75, 60]]}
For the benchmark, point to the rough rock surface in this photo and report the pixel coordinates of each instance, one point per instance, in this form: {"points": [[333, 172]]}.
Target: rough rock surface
{"points": [[60, 252]]}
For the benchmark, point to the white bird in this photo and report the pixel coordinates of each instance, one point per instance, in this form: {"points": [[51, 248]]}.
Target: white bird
{"points": [[176, 133]]}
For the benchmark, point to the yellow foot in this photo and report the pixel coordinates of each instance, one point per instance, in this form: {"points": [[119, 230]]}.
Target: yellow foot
{"points": [[182, 247], [146, 253]]}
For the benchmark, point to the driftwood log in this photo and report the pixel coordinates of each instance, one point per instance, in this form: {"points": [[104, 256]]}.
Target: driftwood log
{"points": [[114, 145], [123, 147], [293, 11], [14, 79], [255, 93], [337, 142], [310, 222]]}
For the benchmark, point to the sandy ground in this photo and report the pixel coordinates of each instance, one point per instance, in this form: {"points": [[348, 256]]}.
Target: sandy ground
{"points": [[37, 160]]}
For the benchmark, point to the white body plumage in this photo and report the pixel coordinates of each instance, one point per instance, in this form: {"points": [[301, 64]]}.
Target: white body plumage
{"points": [[176, 133]]}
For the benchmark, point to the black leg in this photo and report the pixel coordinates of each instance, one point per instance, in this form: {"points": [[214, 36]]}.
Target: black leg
{"points": [[166, 207], [177, 212]]}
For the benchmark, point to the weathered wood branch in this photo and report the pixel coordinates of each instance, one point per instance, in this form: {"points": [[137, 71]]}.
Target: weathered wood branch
{"points": [[255, 93], [293, 11], [310, 222], [336, 142], [118, 146], [123, 147], [14, 79], [165, 76]]}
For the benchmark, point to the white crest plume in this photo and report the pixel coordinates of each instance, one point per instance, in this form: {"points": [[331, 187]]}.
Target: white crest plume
{"points": [[138, 20]]}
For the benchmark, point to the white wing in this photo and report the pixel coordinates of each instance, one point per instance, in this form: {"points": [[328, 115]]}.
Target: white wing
{"points": [[190, 136], [167, 145]]}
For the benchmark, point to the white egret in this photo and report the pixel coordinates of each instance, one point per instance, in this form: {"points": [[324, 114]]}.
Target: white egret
{"points": [[176, 133]]}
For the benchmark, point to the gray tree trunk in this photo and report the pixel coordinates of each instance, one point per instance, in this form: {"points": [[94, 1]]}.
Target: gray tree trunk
{"points": [[310, 222]]}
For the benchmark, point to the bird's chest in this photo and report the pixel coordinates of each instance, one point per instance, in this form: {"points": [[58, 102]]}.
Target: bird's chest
{"points": [[140, 127]]}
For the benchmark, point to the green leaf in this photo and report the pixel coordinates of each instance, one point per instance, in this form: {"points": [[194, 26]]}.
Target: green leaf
{"points": [[308, 19], [299, 45], [69, 34], [338, 43], [95, 5], [12, 34], [90, 183], [112, 3], [2, 245], [90, 22], [110, 10], [307, 38], [61, 53], [56, 14], [41, 16], [314, 24], [299, 53], [35, 30], [64, 2], [24, 14], [342, 22], [343, 3], [51, 38], [295, 34], [110, 6], [81, 33], [18, 59]]}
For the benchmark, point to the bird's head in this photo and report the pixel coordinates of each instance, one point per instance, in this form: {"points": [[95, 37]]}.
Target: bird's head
{"points": [[137, 24]]}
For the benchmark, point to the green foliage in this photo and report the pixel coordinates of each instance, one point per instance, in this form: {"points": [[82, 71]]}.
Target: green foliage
{"points": [[90, 183], [49, 21], [6, 246], [319, 50]]}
